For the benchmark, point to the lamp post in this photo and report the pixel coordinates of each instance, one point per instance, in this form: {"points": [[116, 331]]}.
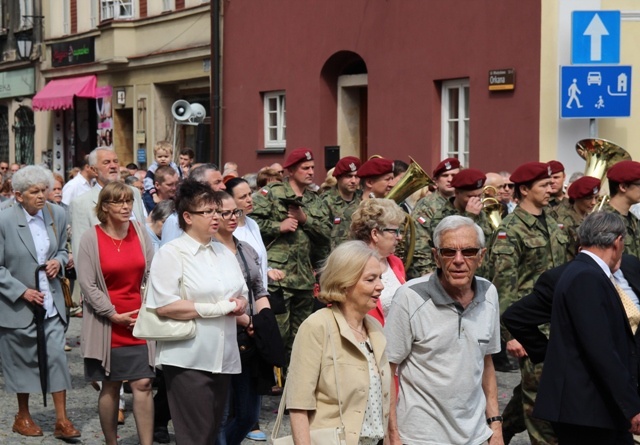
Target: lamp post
{"points": [[24, 43]]}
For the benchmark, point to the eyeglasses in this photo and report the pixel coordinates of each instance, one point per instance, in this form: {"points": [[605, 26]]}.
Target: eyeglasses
{"points": [[467, 252], [509, 185], [226, 215], [120, 204], [206, 213], [394, 232]]}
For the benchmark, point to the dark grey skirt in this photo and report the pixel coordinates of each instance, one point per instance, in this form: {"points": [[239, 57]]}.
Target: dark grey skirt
{"points": [[127, 363], [18, 353]]}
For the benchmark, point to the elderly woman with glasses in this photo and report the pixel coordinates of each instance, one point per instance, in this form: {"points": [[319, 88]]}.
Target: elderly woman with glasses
{"points": [[377, 222], [112, 260], [194, 278], [33, 234]]}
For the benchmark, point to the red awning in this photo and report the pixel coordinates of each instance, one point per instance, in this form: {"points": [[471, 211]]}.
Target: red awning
{"points": [[58, 94]]}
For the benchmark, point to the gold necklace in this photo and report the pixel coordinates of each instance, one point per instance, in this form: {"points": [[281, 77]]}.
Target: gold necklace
{"points": [[117, 246], [358, 331]]}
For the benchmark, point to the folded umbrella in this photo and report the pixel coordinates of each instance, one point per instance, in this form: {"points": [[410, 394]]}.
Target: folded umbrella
{"points": [[39, 313]]}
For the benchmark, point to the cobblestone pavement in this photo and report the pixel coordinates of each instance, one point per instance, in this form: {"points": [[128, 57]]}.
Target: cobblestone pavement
{"points": [[82, 408]]}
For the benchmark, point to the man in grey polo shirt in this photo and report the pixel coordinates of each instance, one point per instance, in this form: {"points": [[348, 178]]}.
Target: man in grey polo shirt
{"points": [[441, 332]]}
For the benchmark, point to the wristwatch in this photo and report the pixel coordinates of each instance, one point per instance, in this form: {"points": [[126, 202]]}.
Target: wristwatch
{"points": [[490, 420]]}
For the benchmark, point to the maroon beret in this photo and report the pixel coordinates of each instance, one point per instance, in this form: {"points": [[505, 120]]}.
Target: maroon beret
{"points": [[469, 179], [624, 171], [446, 165], [584, 187], [556, 167], [375, 167], [348, 164], [531, 171], [298, 155]]}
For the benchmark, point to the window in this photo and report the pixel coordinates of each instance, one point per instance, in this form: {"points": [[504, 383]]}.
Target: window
{"points": [[275, 124], [167, 5], [26, 14], [116, 9], [67, 16], [94, 14], [455, 120]]}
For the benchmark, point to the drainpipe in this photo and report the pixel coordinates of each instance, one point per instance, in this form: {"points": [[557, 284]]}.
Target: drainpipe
{"points": [[216, 66]]}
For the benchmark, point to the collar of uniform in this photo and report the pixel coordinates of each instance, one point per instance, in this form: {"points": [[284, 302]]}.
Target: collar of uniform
{"points": [[193, 246], [526, 217], [440, 297]]}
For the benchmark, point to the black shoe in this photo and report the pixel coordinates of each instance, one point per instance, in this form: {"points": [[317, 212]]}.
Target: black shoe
{"points": [[161, 434]]}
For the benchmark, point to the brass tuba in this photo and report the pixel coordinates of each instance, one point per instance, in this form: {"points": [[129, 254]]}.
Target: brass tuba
{"points": [[413, 180], [493, 209], [600, 155]]}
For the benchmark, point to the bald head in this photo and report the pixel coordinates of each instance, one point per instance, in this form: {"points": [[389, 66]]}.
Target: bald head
{"points": [[494, 179]]}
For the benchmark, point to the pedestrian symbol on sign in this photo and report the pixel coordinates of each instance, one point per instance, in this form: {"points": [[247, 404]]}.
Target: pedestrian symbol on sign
{"points": [[573, 94]]}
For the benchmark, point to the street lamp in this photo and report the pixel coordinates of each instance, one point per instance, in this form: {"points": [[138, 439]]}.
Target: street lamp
{"points": [[25, 45]]}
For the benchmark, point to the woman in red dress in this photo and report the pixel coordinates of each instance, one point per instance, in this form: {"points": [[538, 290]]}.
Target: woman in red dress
{"points": [[112, 260]]}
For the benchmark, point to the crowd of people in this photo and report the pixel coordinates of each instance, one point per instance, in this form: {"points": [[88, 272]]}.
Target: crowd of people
{"points": [[391, 318]]}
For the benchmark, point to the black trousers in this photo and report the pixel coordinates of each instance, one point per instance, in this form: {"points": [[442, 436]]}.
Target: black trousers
{"points": [[196, 400], [569, 434]]}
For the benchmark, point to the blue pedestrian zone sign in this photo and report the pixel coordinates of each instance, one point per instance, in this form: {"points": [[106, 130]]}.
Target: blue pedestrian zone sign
{"points": [[595, 91], [595, 37]]}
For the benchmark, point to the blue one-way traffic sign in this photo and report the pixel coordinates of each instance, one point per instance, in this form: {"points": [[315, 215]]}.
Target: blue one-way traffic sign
{"points": [[595, 37], [595, 91]]}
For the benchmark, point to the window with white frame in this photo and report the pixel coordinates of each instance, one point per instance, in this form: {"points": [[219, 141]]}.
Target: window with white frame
{"points": [[455, 120], [275, 123], [116, 9], [167, 5], [2, 9], [94, 13], [26, 14]]}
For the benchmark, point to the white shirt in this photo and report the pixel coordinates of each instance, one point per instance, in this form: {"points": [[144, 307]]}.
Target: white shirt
{"points": [[210, 274], [41, 241], [391, 285], [76, 187], [250, 234]]}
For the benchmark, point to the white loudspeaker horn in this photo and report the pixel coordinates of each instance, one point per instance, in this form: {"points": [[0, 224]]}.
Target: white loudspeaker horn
{"points": [[181, 110], [198, 113]]}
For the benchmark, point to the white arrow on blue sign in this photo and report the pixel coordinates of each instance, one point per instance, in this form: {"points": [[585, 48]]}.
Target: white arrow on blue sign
{"points": [[590, 92], [595, 37]]}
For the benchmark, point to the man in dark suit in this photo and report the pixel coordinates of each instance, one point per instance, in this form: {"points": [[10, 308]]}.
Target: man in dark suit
{"points": [[589, 386]]}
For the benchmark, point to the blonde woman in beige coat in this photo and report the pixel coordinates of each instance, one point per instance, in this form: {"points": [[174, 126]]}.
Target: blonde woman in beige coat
{"points": [[351, 282]]}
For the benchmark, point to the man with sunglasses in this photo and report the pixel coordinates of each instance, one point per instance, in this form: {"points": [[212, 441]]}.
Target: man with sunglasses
{"points": [[295, 227], [624, 188], [506, 194], [441, 331], [527, 243]]}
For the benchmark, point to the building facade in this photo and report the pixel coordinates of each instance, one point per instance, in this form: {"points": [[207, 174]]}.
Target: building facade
{"points": [[475, 80], [110, 72]]}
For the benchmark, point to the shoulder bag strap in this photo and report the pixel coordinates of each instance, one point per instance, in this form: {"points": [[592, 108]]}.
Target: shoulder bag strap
{"points": [[53, 222], [246, 267]]}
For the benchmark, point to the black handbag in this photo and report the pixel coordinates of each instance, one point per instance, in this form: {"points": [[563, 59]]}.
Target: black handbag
{"points": [[276, 301]]}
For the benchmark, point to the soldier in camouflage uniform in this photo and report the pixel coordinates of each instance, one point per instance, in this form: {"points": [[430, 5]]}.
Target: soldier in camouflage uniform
{"points": [[343, 199], [467, 201], [376, 177], [296, 236], [624, 188], [527, 243], [583, 196], [557, 185], [424, 211]]}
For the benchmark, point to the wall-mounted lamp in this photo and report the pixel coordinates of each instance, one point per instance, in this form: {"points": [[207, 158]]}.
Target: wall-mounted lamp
{"points": [[24, 43]]}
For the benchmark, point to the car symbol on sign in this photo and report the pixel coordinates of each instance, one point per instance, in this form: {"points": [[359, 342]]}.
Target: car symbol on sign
{"points": [[594, 77]]}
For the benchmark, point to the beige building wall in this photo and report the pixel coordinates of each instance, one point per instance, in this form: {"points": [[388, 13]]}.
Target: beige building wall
{"points": [[153, 60]]}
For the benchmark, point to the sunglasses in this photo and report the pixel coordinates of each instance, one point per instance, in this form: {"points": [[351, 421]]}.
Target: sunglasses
{"points": [[467, 252]]}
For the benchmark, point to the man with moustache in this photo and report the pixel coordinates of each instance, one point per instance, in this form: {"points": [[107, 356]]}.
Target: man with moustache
{"points": [[343, 199], [441, 331], [527, 243], [294, 223]]}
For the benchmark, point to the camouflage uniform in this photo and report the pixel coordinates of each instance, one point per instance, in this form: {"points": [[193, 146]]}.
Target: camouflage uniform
{"points": [[632, 240], [448, 210], [424, 211], [569, 219], [522, 249], [340, 213], [296, 253]]}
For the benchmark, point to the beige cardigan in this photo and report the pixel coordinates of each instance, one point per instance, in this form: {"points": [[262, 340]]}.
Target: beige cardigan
{"points": [[311, 382], [95, 339]]}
